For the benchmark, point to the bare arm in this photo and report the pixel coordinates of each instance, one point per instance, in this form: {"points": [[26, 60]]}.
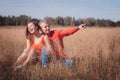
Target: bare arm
{"points": [[23, 56], [27, 49], [28, 45], [49, 47], [32, 51]]}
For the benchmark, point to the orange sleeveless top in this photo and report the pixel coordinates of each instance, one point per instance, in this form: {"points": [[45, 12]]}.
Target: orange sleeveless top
{"points": [[38, 46]]}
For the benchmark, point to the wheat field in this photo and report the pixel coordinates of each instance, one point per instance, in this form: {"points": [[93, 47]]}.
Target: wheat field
{"points": [[95, 51]]}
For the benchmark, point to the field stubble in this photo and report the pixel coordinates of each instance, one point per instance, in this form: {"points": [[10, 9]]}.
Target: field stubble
{"points": [[96, 53]]}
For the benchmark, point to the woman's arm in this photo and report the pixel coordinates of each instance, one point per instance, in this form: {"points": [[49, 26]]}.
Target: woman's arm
{"points": [[29, 57], [24, 55]]}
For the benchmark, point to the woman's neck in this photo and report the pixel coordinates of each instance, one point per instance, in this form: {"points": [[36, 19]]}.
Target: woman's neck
{"points": [[36, 35]]}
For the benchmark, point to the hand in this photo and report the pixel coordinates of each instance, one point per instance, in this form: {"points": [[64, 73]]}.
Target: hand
{"points": [[18, 68], [82, 26]]}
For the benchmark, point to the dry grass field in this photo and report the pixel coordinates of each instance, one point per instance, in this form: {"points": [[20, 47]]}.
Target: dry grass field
{"points": [[95, 51]]}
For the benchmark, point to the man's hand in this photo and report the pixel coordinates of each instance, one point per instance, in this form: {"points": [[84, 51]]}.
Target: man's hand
{"points": [[82, 26]]}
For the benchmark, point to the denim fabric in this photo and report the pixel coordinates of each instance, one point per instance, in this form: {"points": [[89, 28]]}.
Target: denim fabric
{"points": [[66, 62], [44, 56]]}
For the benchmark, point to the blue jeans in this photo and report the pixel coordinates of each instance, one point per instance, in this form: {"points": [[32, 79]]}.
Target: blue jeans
{"points": [[66, 62], [44, 56]]}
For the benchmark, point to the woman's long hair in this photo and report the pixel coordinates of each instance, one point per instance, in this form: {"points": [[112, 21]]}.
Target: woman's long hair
{"points": [[28, 34]]}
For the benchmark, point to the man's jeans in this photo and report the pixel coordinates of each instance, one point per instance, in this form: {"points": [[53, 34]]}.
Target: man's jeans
{"points": [[66, 62]]}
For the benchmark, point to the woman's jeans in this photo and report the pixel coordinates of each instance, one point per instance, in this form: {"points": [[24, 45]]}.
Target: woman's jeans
{"points": [[45, 62]]}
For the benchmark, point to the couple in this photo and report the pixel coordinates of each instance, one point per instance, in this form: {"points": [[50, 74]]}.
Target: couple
{"points": [[41, 41]]}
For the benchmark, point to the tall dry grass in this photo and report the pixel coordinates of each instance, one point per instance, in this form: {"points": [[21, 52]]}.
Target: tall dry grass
{"points": [[95, 51]]}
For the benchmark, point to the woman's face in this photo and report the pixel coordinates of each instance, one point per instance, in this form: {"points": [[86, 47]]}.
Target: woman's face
{"points": [[31, 28], [45, 28]]}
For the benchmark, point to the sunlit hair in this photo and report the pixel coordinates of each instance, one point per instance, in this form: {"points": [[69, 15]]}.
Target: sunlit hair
{"points": [[28, 34]]}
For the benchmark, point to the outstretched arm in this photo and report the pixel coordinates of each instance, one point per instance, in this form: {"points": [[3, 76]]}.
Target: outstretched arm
{"points": [[72, 30], [23, 56], [32, 51]]}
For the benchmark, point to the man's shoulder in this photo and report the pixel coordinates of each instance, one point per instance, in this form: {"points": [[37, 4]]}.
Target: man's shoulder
{"points": [[55, 31]]}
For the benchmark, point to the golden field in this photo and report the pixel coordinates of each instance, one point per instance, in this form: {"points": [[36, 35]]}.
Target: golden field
{"points": [[95, 51]]}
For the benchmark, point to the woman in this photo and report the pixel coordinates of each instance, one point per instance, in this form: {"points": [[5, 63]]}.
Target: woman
{"points": [[35, 41]]}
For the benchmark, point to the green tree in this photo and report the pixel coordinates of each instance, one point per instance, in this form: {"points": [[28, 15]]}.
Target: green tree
{"points": [[50, 20], [73, 21], [89, 21], [59, 21], [67, 21], [78, 22], [23, 19], [118, 23], [1, 20]]}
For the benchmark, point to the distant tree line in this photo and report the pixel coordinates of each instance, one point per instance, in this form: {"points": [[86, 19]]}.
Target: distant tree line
{"points": [[14, 21], [22, 20]]}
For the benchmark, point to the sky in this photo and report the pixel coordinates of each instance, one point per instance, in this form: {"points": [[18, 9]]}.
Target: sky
{"points": [[102, 9]]}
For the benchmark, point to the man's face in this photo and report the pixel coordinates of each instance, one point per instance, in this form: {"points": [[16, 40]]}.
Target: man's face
{"points": [[45, 28]]}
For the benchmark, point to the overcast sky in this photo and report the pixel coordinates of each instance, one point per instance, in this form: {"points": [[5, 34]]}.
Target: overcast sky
{"points": [[102, 9]]}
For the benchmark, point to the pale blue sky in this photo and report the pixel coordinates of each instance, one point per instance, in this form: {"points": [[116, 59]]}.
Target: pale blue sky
{"points": [[102, 9]]}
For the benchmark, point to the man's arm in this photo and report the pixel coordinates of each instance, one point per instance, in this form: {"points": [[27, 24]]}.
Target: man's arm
{"points": [[49, 47], [72, 30]]}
